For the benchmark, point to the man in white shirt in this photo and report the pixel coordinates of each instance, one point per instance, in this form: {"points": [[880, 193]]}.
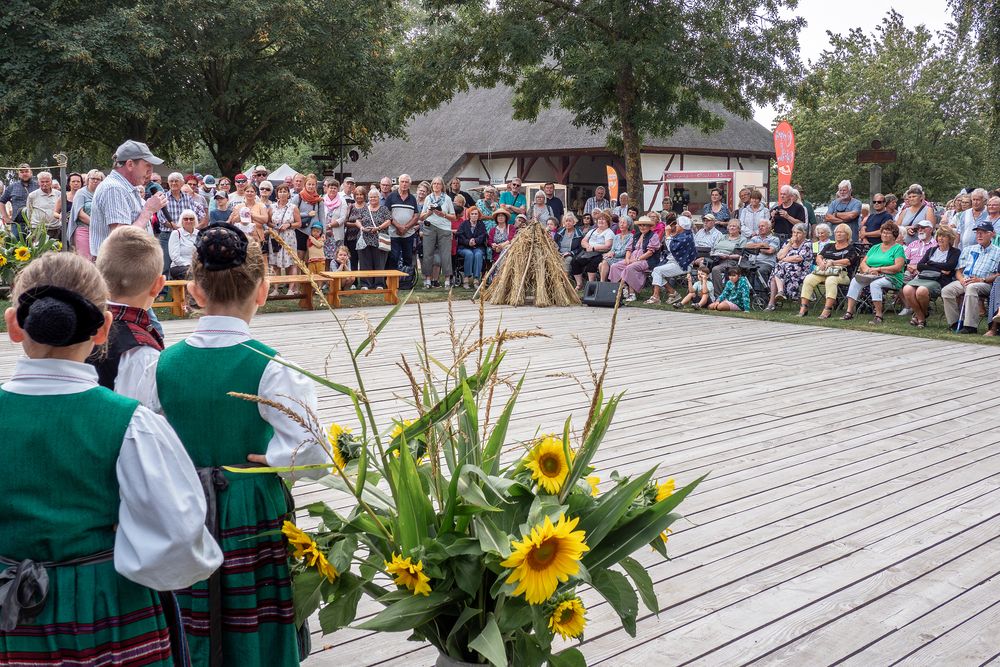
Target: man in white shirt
{"points": [[44, 207]]}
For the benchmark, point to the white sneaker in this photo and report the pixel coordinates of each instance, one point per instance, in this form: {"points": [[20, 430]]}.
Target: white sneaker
{"points": [[427, 284], [630, 297], [447, 283], [354, 287], [905, 312]]}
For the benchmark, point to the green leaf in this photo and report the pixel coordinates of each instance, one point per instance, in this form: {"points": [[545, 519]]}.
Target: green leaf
{"points": [[469, 420], [617, 590], [452, 641], [381, 325], [610, 508], [341, 611], [306, 594], [586, 453], [473, 495], [408, 613], [468, 572], [570, 657], [643, 582], [491, 453], [490, 644], [491, 538], [415, 511], [374, 496]]}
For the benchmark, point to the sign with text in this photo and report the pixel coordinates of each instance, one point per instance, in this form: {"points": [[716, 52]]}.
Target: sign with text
{"points": [[784, 149], [612, 184]]}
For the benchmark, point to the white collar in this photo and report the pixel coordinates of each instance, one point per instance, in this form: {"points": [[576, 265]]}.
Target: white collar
{"points": [[45, 377], [219, 331]]}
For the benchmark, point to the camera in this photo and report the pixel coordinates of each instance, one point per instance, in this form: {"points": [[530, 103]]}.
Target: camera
{"points": [[436, 208]]}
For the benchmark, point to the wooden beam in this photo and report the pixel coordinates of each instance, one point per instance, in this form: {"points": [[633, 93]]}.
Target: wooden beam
{"points": [[509, 167], [739, 162], [729, 162], [489, 178], [527, 168], [682, 161], [670, 162], [555, 169]]}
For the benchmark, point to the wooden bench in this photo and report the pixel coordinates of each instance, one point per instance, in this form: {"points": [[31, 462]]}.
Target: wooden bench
{"points": [[178, 289]]}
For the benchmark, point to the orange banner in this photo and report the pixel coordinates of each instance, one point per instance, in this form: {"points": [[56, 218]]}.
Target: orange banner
{"points": [[784, 149], [612, 184]]}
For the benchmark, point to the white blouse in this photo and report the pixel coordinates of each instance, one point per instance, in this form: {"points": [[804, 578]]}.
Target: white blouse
{"points": [[291, 444], [161, 541]]}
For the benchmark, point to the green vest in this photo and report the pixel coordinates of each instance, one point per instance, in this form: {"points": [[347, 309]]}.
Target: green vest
{"points": [[59, 490], [193, 385]]}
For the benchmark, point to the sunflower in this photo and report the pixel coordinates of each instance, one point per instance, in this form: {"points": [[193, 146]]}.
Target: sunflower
{"points": [[57, 245], [398, 429], [410, 575], [665, 490], [547, 463], [568, 618], [665, 535], [3, 260], [298, 539], [593, 480], [326, 569], [548, 555], [22, 253], [334, 434]]}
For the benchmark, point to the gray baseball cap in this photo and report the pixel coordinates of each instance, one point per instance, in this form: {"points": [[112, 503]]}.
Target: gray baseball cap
{"points": [[135, 150]]}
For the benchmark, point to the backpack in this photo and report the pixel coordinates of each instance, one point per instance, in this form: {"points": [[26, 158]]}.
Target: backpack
{"points": [[409, 280]]}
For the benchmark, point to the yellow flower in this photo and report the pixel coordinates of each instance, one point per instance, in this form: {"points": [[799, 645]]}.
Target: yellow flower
{"points": [[548, 555], [3, 260], [58, 245], [665, 490], [593, 480], [665, 534], [399, 427], [297, 539], [547, 463], [568, 618], [22, 254], [410, 575], [333, 434], [326, 569]]}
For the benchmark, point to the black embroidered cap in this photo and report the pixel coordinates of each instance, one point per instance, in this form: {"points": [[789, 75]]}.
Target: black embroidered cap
{"points": [[57, 316], [221, 246]]}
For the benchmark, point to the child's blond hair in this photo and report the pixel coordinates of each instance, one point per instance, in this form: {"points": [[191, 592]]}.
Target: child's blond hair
{"points": [[130, 260]]}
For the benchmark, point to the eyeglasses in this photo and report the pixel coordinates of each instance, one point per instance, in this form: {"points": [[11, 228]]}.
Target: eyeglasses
{"points": [[878, 201], [187, 220]]}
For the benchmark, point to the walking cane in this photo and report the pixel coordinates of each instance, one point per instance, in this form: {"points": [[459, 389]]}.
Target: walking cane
{"points": [[961, 316]]}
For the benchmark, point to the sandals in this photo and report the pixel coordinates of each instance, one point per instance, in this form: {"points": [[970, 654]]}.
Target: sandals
{"points": [[652, 301], [803, 312], [921, 324], [847, 316], [825, 315], [875, 320]]}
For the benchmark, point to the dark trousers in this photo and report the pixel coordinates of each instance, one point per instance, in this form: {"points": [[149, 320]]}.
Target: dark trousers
{"points": [[401, 248], [371, 259], [165, 245]]}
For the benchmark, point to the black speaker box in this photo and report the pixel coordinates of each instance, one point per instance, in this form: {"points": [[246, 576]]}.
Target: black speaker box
{"points": [[600, 294]]}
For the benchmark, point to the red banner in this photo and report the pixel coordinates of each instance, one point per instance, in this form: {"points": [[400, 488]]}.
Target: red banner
{"points": [[612, 184], [784, 148]]}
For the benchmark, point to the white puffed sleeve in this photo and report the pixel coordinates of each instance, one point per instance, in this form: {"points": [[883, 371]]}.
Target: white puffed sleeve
{"points": [[137, 376], [161, 541], [291, 445]]}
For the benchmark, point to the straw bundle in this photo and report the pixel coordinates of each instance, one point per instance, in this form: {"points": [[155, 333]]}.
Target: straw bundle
{"points": [[531, 267]]}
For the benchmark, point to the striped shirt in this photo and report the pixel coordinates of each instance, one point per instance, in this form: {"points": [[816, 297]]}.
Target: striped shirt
{"points": [[979, 262], [116, 202]]}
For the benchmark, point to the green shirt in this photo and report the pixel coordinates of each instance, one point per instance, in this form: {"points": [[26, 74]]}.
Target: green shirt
{"points": [[878, 258]]}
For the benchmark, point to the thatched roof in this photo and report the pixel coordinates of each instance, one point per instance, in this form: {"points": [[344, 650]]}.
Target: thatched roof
{"points": [[480, 122]]}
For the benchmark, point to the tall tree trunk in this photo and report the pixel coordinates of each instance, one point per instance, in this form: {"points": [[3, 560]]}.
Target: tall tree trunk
{"points": [[631, 144]]}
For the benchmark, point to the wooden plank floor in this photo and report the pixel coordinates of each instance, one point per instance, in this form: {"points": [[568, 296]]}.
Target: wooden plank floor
{"points": [[853, 508]]}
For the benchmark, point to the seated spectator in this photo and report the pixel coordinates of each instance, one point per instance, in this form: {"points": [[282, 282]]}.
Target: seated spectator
{"points": [[706, 237], [633, 268], [726, 252], [794, 264], [568, 239], [934, 271], [700, 288], [916, 249], [822, 238], [735, 294], [871, 226], [593, 245], [501, 235], [472, 240], [619, 246], [181, 245], [977, 270], [716, 206], [880, 270], [675, 257], [766, 246], [835, 265], [752, 214]]}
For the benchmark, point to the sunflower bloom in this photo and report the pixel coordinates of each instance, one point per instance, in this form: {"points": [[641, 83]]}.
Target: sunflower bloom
{"points": [[297, 538], [22, 254], [548, 465], [665, 490], [568, 618], [398, 429], [410, 575], [3, 260], [333, 435], [593, 480], [548, 555], [326, 569], [665, 535]]}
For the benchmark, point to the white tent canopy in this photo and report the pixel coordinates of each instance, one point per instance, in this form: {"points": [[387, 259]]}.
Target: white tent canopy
{"points": [[279, 174]]}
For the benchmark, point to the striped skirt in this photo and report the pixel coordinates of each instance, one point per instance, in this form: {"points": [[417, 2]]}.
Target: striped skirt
{"points": [[257, 614]]}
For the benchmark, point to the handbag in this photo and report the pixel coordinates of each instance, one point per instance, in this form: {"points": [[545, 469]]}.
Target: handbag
{"points": [[929, 274], [828, 271], [384, 242]]}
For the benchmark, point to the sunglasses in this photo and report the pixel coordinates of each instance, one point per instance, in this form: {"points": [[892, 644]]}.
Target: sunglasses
{"points": [[878, 201]]}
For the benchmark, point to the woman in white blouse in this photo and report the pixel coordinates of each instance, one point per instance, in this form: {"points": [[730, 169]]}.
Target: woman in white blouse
{"points": [[181, 245]]}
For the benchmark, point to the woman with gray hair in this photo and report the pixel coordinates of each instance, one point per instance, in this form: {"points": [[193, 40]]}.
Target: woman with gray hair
{"points": [[917, 209], [794, 264], [438, 212], [489, 204], [823, 235], [78, 232], [624, 230]]}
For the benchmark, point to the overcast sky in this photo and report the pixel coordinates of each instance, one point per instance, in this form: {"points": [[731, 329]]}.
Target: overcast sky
{"points": [[839, 16]]}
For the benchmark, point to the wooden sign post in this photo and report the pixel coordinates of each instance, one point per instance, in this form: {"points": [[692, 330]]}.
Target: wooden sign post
{"points": [[876, 156]]}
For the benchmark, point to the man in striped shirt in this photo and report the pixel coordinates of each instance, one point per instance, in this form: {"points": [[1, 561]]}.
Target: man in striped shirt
{"points": [[117, 201]]}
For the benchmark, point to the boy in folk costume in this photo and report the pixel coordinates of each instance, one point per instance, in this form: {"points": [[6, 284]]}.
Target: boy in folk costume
{"points": [[245, 617], [100, 506], [131, 262]]}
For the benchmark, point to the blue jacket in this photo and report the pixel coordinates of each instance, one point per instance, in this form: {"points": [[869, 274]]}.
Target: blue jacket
{"points": [[682, 249], [577, 239]]}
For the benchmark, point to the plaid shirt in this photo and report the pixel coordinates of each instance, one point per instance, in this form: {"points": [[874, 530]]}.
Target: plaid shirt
{"points": [[979, 262], [174, 209]]}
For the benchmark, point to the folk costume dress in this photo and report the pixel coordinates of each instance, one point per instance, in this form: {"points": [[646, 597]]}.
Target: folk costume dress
{"points": [[253, 622], [100, 493]]}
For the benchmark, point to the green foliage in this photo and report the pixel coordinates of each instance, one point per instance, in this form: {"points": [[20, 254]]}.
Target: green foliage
{"points": [[17, 252], [911, 89]]}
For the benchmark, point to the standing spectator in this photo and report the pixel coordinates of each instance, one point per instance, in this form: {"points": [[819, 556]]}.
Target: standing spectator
{"points": [[207, 190], [795, 261], [971, 217], [872, 225], [78, 232], [200, 200], [810, 211], [844, 208], [956, 207], [333, 216], [347, 189], [384, 190], [513, 199], [352, 232], [716, 206], [266, 198], [74, 183], [788, 212], [917, 208], [259, 176], [835, 266], [891, 202], [706, 237], [252, 218], [880, 270], [935, 270], [598, 201], [751, 215], [44, 207], [993, 213], [116, 201], [633, 268], [568, 239], [455, 189], [438, 213], [236, 198], [307, 200], [222, 186], [181, 245], [540, 211], [488, 205], [220, 211], [556, 204], [472, 243], [370, 220], [284, 220], [170, 216], [978, 267], [622, 208], [744, 199], [17, 194], [405, 222]]}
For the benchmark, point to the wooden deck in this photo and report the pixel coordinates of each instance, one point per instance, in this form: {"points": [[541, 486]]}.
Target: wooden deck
{"points": [[853, 508]]}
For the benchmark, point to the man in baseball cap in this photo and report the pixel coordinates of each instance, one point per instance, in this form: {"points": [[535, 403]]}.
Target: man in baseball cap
{"points": [[135, 151]]}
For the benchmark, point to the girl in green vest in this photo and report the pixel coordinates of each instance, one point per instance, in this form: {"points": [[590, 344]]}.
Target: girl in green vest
{"points": [[243, 616], [100, 506]]}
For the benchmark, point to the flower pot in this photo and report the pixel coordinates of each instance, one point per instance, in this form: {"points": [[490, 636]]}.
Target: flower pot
{"points": [[448, 661]]}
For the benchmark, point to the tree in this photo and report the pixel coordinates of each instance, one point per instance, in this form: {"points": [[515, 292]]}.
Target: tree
{"points": [[899, 86], [632, 68], [240, 78], [982, 19]]}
